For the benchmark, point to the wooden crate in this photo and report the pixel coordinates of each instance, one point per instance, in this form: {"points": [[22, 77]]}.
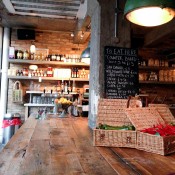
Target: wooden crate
{"points": [[112, 112], [143, 118]]}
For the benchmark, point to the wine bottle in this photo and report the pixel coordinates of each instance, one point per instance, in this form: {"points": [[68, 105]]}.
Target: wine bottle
{"points": [[65, 87]]}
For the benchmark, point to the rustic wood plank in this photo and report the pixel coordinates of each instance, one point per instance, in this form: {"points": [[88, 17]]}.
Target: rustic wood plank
{"points": [[59, 165], [120, 166], [13, 153], [31, 123], [37, 159], [90, 160], [94, 164], [146, 162], [64, 147], [74, 164], [42, 130]]}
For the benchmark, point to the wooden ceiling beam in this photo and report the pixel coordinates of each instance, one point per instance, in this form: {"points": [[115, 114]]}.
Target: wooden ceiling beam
{"points": [[66, 6], [159, 34]]}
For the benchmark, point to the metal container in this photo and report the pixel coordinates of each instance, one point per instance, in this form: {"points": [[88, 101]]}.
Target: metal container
{"points": [[17, 125], [8, 131]]}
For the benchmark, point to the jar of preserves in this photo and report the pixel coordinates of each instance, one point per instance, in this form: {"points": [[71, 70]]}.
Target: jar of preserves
{"points": [[49, 72], [25, 71], [25, 55]]}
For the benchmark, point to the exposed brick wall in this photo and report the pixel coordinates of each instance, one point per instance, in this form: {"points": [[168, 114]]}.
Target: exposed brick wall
{"points": [[57, 43]]}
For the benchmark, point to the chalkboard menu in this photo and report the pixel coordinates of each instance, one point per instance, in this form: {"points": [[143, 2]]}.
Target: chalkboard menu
{"points": [[121, 72]]}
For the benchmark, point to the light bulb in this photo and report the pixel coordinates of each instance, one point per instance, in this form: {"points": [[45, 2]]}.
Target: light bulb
{"points": [[150, 16]]}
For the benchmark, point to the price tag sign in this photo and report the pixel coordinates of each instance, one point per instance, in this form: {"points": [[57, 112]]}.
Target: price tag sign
{"points": [[121, 72]]}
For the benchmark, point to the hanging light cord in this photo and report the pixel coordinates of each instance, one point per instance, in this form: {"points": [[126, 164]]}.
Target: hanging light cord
{"points": [[117, 11]]}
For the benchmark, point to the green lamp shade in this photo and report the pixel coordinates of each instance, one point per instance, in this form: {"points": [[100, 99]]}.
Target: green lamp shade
{"points": [[86, 53], [85, 56], [149, 12]]}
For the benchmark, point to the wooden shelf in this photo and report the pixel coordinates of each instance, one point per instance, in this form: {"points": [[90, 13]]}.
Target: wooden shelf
{"points": [[45, 78], [48, 62], [157, 82], [38, 105], [41, 92], [155, 68]]}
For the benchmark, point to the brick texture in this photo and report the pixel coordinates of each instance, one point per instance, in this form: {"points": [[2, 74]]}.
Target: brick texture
{"points": [[57, 43]]}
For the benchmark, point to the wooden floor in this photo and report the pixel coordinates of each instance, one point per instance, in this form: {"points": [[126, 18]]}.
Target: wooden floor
{"points": [[63, 146]]}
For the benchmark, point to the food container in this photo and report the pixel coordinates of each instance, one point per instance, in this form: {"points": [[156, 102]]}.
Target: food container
{"points": [[49, 72], [112, 112], [143, 118]]}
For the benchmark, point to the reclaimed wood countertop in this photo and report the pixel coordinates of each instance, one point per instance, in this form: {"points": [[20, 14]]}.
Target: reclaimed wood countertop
{"points": [[55, 146], [63, 146]]}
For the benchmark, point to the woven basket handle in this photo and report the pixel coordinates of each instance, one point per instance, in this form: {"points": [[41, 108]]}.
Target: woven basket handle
{"points": [[128, 102], [17, 85]]}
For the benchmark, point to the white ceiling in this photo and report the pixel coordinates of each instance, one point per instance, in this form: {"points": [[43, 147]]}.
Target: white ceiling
{"points": [[69, 9]]}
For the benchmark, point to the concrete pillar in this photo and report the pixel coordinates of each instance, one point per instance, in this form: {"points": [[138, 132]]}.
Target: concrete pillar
{"points": [[103, 23], [1, 39], [4, 80]]}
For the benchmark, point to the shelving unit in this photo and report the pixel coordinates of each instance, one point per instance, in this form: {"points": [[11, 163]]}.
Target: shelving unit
{"points": [[45, 78], [157, 82], [157, 75], [45, 64], [40, 62], [48, 63]]}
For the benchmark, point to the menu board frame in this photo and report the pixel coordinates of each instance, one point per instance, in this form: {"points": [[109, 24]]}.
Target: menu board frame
{"points": [[120, 72]]}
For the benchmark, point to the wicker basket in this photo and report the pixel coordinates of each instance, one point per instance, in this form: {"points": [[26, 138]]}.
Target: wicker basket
{"points": [[164, 112], [112, 112], [143, 118]]}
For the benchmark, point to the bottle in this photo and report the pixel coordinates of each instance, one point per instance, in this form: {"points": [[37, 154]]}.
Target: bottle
{"points": [[49, 72], [58, 57], [41, 73], [53, 57], [69, 87], [18, 73], [72, 73], [77, 73], [21, 73], [25, 71], [62, 86], [25, 55], [73, 86], [59, 86], [18, 54], [65, 87]]}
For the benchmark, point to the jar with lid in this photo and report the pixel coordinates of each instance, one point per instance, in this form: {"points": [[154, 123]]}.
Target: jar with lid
{"points": [[49, 72], [19, 54], [53, 57], [25, 71], [25, 55]]}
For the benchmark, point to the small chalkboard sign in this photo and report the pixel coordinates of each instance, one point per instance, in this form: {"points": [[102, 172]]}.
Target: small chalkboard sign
{"points": [[121, 72]]}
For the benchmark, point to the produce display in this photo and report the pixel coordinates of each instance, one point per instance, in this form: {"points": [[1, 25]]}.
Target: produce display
{"points": [[109, 127], [161, 130], [63, 101]]}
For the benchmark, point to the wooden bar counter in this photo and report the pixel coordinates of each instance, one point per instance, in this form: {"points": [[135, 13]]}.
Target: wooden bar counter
{"points": [[55, 146], [63, 146]]}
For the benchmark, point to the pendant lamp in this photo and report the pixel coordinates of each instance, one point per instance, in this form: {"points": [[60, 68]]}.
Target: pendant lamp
{"points": [[149, 13], [85, 55]]}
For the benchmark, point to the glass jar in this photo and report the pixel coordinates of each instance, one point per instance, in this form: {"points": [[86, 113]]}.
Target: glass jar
{"points": [[49, 72], [25, 71]]}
